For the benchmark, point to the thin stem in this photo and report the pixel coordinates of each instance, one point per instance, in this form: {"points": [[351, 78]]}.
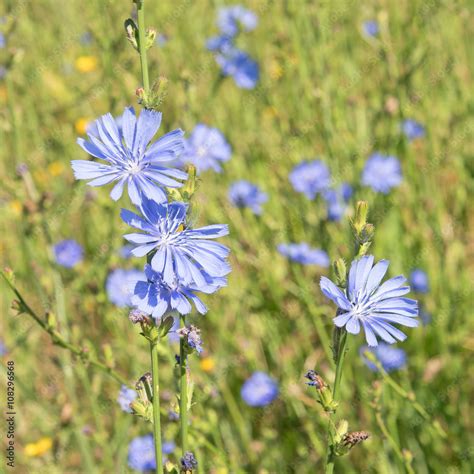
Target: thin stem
{"points": [[156, 406], [183, 398], [59, 339], [341, 353], [142, 43]]}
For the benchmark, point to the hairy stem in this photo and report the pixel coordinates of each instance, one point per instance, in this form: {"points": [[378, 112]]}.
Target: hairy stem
{"points": [[183, 399], [156, 406]]}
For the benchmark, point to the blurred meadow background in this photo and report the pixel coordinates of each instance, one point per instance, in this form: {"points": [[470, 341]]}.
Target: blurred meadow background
{"points": [[329, 88]]}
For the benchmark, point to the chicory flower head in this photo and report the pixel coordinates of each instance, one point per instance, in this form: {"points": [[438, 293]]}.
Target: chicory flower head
{"points": [[192, 337], [382, 173], [259, 390], [337, 199], [310, 178], [391, 358], [206, 148], [123, 144], [245, 194], [125, 397], [141, 453], [183, 255], [68, 253], [304, 254], [419, 281], [240, 66], [231, 19], [118, 286], [371, 305], [188, 462], [412, 129], [155, 297], [370, 27]]}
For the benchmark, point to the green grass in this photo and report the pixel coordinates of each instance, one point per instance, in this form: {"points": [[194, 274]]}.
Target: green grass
{"points": [[323, 92]]}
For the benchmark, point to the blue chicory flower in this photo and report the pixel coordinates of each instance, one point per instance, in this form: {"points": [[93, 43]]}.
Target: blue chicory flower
{"points": [[3, 348], [382, 173], [419, 281], [182, 254], [370, 27], [391, 358], [125, 397], [245, 194], [412, 129], [240, 66], [206, 148], [68, 253], [154, 296], [231, 19], [221, 43], [192, 337], [337, 199], [3, 41], [304, 254], [259, 390], [123, 145], [368, 304], [141, 452], [310, 178], [118, 286]]}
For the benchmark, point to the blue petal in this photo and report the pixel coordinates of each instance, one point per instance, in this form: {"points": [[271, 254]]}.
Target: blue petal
{"points": [[148, 124], [334, 293], [376, 275], [129, 121]]}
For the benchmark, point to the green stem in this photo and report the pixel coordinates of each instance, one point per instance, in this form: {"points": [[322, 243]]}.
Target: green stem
{"points": [[340, 354], [58, 338], [156, 406], [142, 43], [183, 399]]}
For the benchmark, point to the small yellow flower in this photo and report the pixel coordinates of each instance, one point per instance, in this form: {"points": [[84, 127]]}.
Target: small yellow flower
{"points": [[41, 176], [42, 446], [16, 207], [81, 125], [207, 364], [56, 168], [86, 63], [275, 70]]}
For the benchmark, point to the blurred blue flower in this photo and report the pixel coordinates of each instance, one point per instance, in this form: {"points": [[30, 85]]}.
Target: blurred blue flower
{"points": [[304, 254], [86, 38], [391, 358], [123, 145], [221, 43], [425, 317], [161, 39], [259, 390], [188, 462], [141, 453], [119, 286], [206, 148], [3, 348], [382, 173], [310, 178], [3, 71], [412, 129], [182, 254], [245, 194], [125, 397], [419, 281], [368, 303], [231, 19], [3, 41], [167, 447], [337, 199], [126, 251], [154, 296], [370, 27], [240, 66], [68, 253]]}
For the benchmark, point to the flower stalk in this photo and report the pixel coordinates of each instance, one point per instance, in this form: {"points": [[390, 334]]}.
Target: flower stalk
{"points": [[142, 47], [156, 405], [183, 399]]}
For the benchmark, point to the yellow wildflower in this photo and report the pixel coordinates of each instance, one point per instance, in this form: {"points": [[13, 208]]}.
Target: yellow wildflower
{"points": [[86, 63], [207, 364], [16, 207], [81, 125], [56, 168], [42, 446]]}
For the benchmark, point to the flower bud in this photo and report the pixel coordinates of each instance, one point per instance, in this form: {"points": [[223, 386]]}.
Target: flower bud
{"points": [[131, 31], [150, 36]]}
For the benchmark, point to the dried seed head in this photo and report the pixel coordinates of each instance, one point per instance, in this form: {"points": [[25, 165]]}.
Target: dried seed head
{"points": [[354, 437]]}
